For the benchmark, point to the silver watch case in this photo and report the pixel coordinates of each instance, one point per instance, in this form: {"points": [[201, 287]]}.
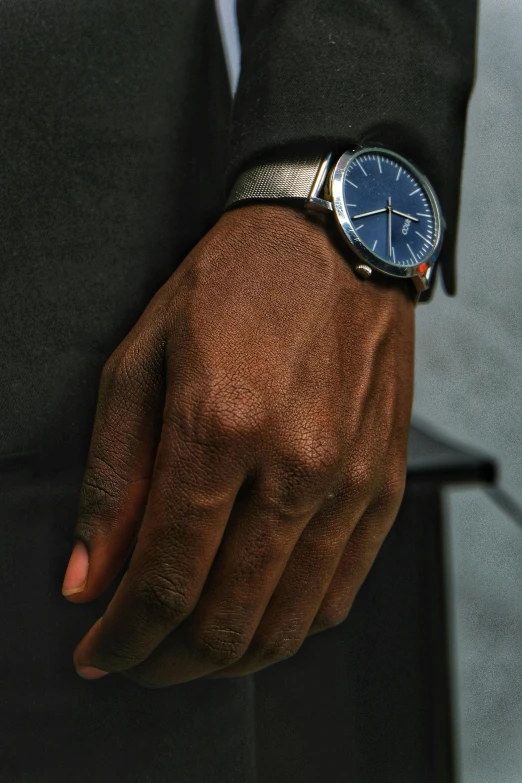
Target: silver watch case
{"points": [[420, 273]]}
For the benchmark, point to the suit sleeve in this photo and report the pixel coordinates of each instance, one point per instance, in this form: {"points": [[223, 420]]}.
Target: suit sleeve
{"points": [[329, 74]]}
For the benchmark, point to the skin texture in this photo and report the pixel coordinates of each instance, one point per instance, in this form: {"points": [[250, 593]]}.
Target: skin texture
{"points": [[249, 450]]}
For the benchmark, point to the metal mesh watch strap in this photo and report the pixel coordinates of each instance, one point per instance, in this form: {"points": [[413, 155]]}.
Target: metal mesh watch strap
{"points": [[292, 179], [285, 179]]}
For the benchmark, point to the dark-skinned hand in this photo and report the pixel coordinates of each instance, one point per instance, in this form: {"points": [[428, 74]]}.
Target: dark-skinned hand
{"points": [[248, 453]]}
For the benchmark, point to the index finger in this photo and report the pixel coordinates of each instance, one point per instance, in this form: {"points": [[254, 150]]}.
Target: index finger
{"points": [[191, 496]]}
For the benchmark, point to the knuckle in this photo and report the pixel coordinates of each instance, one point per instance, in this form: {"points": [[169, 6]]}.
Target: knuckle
{"points": [[329, 617], [119, 377], [360, 479], [111, 372], [302, 473], [98, 494], [283, 499], [163, 598], [235, 410], [217, 416], [392, 490], [276, 648], [316, 459], [118, 659], [221, 646]]}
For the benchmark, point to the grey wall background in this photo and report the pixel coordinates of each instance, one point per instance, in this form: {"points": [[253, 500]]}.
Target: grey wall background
{"points": [[469, 378], [468, 385]]}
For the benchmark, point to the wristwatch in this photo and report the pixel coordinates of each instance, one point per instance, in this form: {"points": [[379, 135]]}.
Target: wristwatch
{"points": [[385, 208]]}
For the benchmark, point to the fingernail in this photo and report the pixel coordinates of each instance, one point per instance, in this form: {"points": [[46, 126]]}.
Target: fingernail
{"points": [[76, 575], [90, 673]]}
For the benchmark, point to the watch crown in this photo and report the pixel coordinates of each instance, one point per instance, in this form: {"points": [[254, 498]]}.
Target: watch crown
{"points": [[362, 270]]}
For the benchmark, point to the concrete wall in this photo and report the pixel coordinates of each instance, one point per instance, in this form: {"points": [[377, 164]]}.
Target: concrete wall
{"points": [[469, 384]]}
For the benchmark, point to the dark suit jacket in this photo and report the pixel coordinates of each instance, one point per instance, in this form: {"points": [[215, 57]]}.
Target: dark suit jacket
{"points": [[321, 74]]}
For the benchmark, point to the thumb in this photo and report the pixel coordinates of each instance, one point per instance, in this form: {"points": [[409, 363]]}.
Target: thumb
{"points": [[75, 577], [116, 482]]}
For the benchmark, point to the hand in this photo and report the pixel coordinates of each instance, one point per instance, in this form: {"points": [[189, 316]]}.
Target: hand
{"points": [[250, 443], [367, 214], [389, 208], [405, 215], [385, 209]]}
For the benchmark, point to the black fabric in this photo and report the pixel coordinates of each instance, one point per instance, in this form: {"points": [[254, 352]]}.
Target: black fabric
{"points": [[321, 74], [113, 120]]}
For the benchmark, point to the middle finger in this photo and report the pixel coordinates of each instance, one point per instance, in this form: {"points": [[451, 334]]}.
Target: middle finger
{"points": [[255, 549]]}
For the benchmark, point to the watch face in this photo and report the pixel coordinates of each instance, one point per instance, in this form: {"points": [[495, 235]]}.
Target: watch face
{"points": [[389, 210]]}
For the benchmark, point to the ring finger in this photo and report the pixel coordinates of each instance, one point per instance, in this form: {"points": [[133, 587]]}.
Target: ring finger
{"points": [[328, 566], [301, 589]]}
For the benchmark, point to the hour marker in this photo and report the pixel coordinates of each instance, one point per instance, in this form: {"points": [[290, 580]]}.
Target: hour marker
{"points": [[379, 164], [360, 166], [353, 184], [422, 214], [413, 192], [375, 244], [393, 254], [358, 228], [411, 251], [420, 235], [351, 205], [399, 174]]}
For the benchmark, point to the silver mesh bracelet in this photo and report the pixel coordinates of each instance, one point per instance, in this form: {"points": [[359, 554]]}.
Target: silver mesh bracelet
{"points": [[291, 179]]}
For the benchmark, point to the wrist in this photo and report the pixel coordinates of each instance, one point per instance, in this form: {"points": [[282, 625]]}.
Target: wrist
{"points": [[382, 206], [319, 252]]}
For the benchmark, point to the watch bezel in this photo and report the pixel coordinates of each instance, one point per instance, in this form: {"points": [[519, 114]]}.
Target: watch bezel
{"points": [[343, 219]]}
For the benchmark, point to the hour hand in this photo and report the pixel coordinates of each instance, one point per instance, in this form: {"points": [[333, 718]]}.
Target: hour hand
{"points": [[404, 215], [367, 214]]}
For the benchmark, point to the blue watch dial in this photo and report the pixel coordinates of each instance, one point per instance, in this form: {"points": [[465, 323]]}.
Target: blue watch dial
{"points": [[389, 209]]}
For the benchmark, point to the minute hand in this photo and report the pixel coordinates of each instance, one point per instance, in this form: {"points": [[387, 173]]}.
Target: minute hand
{"points": [[366, 214], [404, 215]]}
